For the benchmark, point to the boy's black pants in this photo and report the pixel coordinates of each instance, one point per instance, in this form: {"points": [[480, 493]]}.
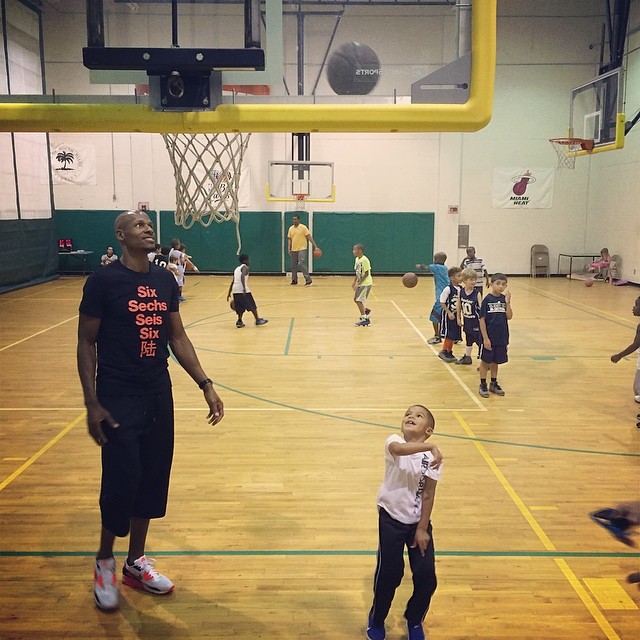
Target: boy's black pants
{"points": [[393, 537]]}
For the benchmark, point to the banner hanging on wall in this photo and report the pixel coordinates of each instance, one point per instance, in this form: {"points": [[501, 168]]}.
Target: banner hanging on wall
{"points": [[73, 164], [523, 188]]}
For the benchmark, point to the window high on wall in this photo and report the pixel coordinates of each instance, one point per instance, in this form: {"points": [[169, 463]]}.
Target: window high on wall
{"points": [[25, 176]]}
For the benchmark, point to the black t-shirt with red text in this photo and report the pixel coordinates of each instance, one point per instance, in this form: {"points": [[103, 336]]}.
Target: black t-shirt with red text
{"points": [[132, 343]]}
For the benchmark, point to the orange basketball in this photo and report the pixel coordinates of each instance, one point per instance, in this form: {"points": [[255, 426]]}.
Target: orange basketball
{"points": [[588, 282], [410, 280], [317, 252]]}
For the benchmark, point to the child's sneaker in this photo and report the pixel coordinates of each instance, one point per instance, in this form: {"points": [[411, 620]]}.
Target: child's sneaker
{"points": [[465, 360], [142, 575], [434, 340], [106, 591], [483, 391], [239, 324], [447, 356], [415, 632], [494, 387], [261, 321], [364, 322], [374, 632]]}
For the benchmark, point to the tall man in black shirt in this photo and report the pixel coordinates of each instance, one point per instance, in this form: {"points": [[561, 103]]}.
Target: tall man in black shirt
{"points": [[128, 318]]}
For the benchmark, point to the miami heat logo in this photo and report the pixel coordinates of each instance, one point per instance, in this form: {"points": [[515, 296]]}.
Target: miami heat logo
{"points": [[521, 182]]}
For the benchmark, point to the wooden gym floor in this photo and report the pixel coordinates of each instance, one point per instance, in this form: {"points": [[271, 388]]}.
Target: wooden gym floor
{"points": [[271, 530]]}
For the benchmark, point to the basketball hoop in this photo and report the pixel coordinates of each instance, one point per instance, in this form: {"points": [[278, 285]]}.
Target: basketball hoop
{"points": [[207, 167], [300, 201], [567, 148]]}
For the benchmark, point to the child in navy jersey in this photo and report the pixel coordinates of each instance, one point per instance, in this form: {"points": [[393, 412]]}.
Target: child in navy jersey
{"points": [[495, 312]]}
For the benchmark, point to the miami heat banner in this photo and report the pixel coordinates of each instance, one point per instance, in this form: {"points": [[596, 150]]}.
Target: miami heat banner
{"points": [[73, 164], [523, 188]]}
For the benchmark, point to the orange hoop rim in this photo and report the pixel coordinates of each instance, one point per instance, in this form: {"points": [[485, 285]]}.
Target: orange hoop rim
{"points": [[585, 143]]}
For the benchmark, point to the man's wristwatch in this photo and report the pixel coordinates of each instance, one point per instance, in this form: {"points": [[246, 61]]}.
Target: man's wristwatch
{"points": [[204, 383]]}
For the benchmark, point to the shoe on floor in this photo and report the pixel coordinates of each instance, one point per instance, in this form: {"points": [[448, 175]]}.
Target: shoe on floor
{"points": [[261, 321], [447, 356], [374, 632], [142, 575], [308, 284], [434, 340], [465, 360], [106, 590], [494, 387], [483, 391], [239, 324], [364, 322], [294, 283], [182, 299], [415, 632]]}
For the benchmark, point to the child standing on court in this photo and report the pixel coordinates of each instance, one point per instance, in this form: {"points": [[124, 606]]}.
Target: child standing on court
{"points": [[440, 280], [477, 264], [450, 315], [242, 296], [470, 300], [362, 284], [634, 346], [405, 501], [495, 312]]}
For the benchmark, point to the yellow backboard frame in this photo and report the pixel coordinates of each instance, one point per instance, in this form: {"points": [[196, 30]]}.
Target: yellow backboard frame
{"points": [[286, 118]]}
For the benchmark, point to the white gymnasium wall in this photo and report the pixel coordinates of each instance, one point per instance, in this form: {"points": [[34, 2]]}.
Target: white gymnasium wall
{"points": [[544, 49]]}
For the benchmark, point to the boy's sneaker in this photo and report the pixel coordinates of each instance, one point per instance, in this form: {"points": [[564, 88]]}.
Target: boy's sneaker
{"points": [[142, 575], [494, 387], [415, 632], [483, 391], [364, 322], [447, 356], [308, 283], [465, 360], [261, 321], [239, 324], [374, 632], [106, 591], [434, 340]]}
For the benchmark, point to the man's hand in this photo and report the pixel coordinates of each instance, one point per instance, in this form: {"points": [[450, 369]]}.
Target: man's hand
{"points": [[216, 407], [96, 415]]}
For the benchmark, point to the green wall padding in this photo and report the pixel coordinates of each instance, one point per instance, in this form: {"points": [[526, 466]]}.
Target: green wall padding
{"points": [[394, 242], [214, 248], [29, 251]]}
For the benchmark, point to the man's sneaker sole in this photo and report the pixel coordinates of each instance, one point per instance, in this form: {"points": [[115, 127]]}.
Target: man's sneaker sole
{"points": [[132, 581]]}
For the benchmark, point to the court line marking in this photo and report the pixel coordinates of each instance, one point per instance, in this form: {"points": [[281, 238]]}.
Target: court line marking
{"points": [[603, 315], [453, 553], [571, 577], [453, 374], [40, 453], [33, 335], [323, 412], [287, 346]]}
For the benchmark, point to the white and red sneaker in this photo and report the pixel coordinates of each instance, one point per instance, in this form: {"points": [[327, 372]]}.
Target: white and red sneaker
{"points": [[142, 575], [106, 590]]}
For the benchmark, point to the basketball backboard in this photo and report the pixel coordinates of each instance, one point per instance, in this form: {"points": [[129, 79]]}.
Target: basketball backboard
{"points": [[146, 38], [290, 181], [596, 112]]}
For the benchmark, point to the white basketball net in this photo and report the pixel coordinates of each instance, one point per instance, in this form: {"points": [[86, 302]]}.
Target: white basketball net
{"points": [[207, 168], [566, 149]]}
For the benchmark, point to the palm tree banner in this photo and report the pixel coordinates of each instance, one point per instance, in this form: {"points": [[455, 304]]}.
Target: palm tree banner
{"points": [[73, 164]]}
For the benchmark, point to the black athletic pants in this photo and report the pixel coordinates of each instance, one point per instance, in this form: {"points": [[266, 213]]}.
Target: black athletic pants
{"points": [[393, 537]]}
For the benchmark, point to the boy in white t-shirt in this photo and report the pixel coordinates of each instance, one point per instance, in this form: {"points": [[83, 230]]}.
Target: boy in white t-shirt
{"points": [[405, 502]]}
